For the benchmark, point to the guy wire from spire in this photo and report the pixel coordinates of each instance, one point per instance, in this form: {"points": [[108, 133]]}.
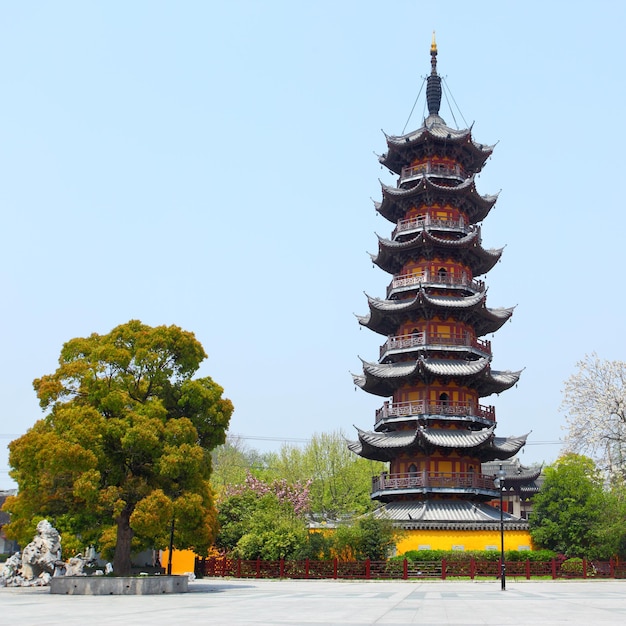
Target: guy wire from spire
{"points": [[413, 108], [447, 91]]}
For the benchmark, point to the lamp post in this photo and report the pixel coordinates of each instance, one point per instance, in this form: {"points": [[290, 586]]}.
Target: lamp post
{"points": [[171, 550], [499, 481]]}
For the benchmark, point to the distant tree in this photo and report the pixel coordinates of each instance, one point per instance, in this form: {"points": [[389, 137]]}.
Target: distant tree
{"points": [[568, 508], [232, 462], [611, 528], [594, 400], [125, 445], [341, 482]]}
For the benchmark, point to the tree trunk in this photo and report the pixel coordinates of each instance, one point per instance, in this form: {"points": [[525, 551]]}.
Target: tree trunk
{"points": [[121, 559]]}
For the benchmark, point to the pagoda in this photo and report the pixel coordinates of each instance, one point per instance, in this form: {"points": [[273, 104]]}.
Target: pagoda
{"points": [[434, 367]]}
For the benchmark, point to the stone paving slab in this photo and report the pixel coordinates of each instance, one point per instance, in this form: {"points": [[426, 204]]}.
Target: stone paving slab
{"points": [[316, 603]]}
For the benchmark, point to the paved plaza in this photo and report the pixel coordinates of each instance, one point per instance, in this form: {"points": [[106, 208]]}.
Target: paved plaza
{"points": [[265, 602]]}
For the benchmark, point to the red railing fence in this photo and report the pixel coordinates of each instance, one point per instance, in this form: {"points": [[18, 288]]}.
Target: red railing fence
{"points": [[219, 567]]}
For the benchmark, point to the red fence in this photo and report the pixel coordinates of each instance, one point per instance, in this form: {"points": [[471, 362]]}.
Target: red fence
{"points": [[405, 570]]}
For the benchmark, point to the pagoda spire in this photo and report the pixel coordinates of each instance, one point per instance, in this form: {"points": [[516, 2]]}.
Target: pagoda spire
{"points": [[433, 84]]}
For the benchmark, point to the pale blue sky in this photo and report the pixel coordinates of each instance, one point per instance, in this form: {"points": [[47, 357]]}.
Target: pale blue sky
{"points": [[213, 165]]}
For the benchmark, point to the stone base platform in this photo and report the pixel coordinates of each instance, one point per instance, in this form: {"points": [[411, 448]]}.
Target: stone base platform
{"points": [[118, 585]]}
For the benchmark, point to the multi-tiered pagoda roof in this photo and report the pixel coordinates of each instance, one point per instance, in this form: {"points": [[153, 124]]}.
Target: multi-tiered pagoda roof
{"points": [[434, 366]]}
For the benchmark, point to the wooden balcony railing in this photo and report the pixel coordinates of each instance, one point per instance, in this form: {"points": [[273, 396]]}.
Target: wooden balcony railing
{"points": [[426, 221], [439, 279], [434, 480], [423, 407], [432, 169], [417, 340]]}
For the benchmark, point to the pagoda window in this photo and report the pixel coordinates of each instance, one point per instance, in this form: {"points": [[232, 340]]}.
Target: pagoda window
{"points": [[442, 273], [413, 469], [444, 398]]}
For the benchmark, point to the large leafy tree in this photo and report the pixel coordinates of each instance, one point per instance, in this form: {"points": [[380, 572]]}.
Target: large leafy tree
{"points": [[569, 507], [594, 400], [124, 447]]}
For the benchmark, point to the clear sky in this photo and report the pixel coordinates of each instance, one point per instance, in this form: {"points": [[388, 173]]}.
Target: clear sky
{"points": [[213, 165]]}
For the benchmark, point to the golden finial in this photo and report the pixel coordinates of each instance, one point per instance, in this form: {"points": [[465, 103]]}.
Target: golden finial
{"points": [[433, 45]]}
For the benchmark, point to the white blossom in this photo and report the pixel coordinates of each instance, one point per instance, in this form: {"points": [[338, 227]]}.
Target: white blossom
{"points": [[594, 401]]}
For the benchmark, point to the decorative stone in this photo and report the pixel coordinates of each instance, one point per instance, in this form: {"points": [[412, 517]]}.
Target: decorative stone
{"points": [[38, 562]]}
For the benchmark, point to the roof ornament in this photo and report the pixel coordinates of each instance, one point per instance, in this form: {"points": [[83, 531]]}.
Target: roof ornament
{"points": [[433, 82]]}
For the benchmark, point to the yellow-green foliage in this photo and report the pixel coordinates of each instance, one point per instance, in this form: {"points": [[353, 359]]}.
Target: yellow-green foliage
{"points": [[125, 443]]}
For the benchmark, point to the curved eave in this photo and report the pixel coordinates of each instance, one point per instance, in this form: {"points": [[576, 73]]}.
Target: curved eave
{"points": [[396, 200], [503, 448], [496, 382], [375, 447], [392, 255], [382, 379], [525, 478], [385, 446], [401, 148], [516, 474], [385, 316]]}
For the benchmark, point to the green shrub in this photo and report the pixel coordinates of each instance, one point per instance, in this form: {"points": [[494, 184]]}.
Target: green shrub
{"points": [[573, 566], [479, 555]]}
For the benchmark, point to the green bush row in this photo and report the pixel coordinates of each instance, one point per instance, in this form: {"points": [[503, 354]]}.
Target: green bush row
{"points": [[479, 555]]}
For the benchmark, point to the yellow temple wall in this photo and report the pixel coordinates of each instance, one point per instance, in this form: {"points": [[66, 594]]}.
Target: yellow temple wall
{"points": [[183, 561], [462, 540]]}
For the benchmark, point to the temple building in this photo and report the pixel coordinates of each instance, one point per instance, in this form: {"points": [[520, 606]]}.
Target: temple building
{"points": [[434, 366]]}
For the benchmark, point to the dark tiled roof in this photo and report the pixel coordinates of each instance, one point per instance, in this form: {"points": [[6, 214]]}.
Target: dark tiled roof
{"points": [[392, 254], [385, 446], [397, 200], [433, 130], [448, 514], [382, 379], [385, 316]]}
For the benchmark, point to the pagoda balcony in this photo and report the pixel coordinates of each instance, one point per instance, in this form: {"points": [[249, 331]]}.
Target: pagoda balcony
{"points": [[406, 343], [417, 408], [423, 222], [434, 481], [406, 282], [440, 170]]}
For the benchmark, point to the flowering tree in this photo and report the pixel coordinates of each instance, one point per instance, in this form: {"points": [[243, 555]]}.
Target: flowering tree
{"points": [[594, 400], [266, 520], [296, 494]]}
